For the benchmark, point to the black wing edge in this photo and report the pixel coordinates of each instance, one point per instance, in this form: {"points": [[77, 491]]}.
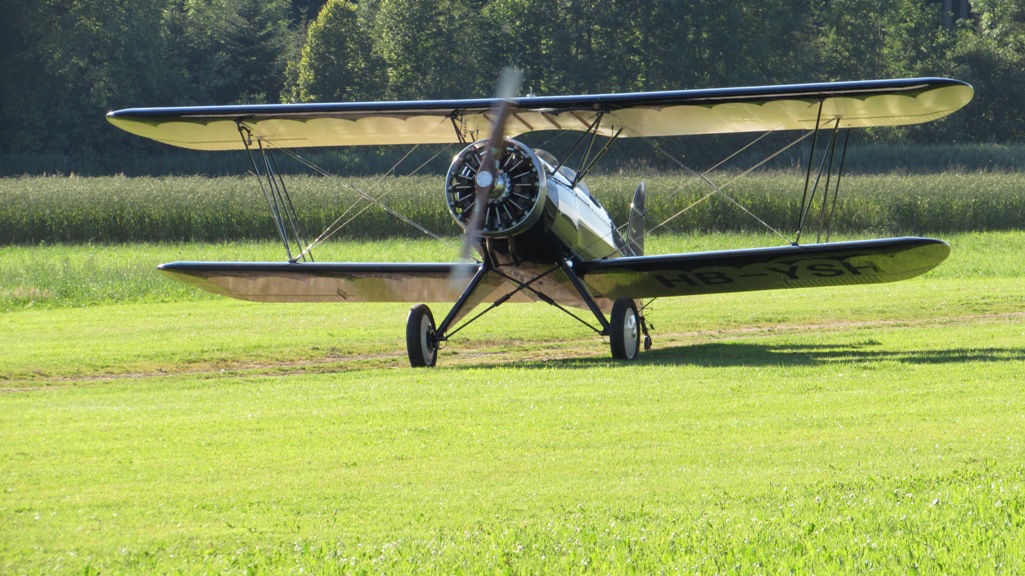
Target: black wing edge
{"points": [[556, 104], [815, 265]]}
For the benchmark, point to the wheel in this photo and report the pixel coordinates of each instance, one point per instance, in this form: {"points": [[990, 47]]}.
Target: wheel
{"points": [[420, 343], [624, 329]]}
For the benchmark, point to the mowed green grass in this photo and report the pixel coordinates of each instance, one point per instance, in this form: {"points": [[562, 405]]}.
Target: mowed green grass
{"points": [[869, 429]]}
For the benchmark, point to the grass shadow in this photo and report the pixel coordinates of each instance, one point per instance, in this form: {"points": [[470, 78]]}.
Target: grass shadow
{"points": [[733, 354], [746, 354]]}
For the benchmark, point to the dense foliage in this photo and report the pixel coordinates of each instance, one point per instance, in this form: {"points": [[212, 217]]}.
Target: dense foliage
{"points": [[67, 62]]}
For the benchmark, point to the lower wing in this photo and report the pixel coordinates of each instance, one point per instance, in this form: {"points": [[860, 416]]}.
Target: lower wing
{"points": [[834, 264]]}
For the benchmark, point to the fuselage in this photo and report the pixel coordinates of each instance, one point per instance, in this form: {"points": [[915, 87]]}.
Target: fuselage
{"points": [[578, 220]]}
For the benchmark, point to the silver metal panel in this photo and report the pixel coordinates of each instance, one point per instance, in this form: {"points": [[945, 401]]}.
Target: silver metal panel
{"points": [[320, 282]]}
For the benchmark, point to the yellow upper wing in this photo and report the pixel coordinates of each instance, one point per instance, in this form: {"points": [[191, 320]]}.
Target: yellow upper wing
{"points": [[674, 113]]}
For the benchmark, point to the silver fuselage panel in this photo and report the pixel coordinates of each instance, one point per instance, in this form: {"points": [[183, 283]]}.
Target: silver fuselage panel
{"points": [[578, 219]]}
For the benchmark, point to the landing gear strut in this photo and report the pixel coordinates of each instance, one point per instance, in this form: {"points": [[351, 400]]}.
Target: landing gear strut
{"points": [[625, 328]]}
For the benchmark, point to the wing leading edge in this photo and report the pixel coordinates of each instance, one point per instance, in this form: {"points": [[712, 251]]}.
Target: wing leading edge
{"points": [[643, 114]]}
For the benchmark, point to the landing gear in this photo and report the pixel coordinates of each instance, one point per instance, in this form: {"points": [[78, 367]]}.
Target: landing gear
{"points": [[421, 344], [624, 329]]}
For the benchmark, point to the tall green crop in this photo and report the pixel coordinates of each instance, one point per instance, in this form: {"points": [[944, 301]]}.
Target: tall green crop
{"points": [[195, 208]]}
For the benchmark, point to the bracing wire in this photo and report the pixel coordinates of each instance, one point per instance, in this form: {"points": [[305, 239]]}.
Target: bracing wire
{"points": [[739, 152], [341, 222], [283, 212], [717, 189]]}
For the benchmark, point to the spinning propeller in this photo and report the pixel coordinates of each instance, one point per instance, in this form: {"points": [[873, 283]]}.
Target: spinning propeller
{"points": [[489, 175]]}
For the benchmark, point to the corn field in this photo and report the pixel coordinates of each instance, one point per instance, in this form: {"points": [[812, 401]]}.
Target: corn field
{"points": [[59, 209]]}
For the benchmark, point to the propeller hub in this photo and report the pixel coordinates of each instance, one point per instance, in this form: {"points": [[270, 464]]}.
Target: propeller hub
{"points": [[500, 188], [484, 179]]}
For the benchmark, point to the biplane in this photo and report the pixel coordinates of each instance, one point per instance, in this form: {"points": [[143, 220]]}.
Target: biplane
{"points": [[537, 231]]}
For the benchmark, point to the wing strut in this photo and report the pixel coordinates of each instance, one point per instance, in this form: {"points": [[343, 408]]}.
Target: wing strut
{"points": [[592, 131], [274, 191], [459, 125], [827, 209], [585, 169], [826, 218], [587, 161], [802, 214]]}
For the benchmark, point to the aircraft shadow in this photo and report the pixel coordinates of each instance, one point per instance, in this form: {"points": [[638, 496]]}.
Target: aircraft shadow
{"points": [[729, 354]]}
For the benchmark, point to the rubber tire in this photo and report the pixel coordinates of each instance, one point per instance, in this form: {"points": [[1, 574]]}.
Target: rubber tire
{"points": [[420, 345], [624, 330]]}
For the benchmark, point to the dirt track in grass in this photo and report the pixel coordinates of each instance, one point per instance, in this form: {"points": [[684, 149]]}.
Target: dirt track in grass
{"points": [[682, 347]]}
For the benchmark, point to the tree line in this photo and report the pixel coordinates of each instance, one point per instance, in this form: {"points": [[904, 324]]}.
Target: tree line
{"points": [[68, 62]]}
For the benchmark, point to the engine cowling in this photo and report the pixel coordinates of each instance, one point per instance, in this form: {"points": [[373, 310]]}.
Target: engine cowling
{"points": [[514, 204]]}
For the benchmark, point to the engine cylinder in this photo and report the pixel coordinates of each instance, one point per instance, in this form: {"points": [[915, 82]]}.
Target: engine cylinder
{"points": [[515, 203]]}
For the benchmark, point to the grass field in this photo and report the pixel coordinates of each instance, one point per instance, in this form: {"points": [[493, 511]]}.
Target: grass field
{"points": [[150, 429]]}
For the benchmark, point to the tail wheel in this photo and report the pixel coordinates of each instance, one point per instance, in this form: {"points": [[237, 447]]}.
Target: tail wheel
{"points": [[421, 343], [624, 329]]}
